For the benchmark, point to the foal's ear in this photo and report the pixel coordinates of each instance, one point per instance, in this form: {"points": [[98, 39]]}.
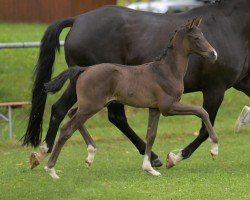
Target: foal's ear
{"points": [[195, 22]]}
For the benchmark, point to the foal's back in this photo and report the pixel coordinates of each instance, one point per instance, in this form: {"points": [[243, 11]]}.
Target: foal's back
{"points": [[131, 85]]}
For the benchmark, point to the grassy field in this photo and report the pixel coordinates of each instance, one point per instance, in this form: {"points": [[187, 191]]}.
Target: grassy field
{"points": [[116, 173]]}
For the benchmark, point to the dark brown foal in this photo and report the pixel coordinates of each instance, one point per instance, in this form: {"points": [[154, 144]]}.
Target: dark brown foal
{"points": [[101, 84]]}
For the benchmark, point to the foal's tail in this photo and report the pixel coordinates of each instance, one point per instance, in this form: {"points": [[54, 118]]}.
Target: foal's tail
{"points": [[57, 83], [43, 72]]}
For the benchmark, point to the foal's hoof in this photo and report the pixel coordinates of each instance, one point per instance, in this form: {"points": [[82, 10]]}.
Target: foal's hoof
{"points": [[151, 171], [169, 161], [214, 156], [34, 162], [52, 172], [156, 163], [88, 163], [214, 151]]}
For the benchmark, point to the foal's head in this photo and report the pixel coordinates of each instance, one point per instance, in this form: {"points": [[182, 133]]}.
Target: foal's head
{"points": [[194, 40]]}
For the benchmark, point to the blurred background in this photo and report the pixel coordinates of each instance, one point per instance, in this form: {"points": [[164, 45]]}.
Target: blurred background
{"points": [[50, 10]]}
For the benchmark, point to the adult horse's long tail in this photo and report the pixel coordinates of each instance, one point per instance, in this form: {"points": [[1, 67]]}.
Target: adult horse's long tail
{"points": [[43, 72]]}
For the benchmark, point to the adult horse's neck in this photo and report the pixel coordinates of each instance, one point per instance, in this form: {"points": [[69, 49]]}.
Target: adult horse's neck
{"points": [[238, 13]]}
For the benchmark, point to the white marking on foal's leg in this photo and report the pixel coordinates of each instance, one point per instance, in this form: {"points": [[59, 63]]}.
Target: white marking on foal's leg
{"points": [[91, 155], [146, 166], [51, 172], [214, 150]]}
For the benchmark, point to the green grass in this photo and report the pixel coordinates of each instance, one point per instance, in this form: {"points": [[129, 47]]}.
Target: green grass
{"points": [[116, 173]]}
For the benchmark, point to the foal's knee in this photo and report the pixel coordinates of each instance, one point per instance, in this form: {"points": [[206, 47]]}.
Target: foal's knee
{"points": [[203, 113]]}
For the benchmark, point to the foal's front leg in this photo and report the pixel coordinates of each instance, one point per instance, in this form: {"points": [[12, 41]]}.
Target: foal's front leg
{"points": [[153, 120], [180, 109]]}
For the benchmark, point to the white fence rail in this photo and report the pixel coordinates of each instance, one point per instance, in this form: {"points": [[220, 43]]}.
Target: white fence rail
{"points": [[15, 45]]}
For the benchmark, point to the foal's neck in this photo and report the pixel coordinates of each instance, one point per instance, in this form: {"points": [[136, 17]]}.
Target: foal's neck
{"points": [[175, 62]]}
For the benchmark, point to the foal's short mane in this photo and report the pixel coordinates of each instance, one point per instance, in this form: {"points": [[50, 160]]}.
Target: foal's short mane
{"points": [[169, 46], [165, 51]]}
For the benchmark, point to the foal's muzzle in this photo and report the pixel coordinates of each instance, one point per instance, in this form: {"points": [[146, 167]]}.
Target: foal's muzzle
{"points": [[212, 55]]}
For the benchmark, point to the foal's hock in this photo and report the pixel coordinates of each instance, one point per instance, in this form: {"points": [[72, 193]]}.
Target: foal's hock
{"points": [[157, 85]]}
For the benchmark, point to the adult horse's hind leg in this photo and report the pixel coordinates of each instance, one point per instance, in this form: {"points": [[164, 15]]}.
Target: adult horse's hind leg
{"points": [[116, 115], [91, 147], [179, 109], [154, 115], [58, 112]]}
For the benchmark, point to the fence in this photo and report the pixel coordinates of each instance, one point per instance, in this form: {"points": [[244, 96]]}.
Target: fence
{"points": [[46, 10], [8, 117]]}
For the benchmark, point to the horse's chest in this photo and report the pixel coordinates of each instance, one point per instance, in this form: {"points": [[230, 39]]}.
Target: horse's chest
{"points": [[174, 90]]}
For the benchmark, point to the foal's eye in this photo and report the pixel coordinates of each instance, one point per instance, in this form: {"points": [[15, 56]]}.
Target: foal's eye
{"points": [[196, 38]]}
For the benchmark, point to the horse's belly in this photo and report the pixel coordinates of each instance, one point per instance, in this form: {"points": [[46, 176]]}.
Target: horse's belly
{"points": [[139, 99]]}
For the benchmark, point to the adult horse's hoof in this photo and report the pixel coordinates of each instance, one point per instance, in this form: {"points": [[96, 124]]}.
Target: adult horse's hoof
{"points": [[156, 163], [34, 162], [169, 161]]}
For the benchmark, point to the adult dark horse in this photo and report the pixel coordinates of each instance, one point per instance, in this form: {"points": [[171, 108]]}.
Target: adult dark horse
{"points": [[119, 35]]}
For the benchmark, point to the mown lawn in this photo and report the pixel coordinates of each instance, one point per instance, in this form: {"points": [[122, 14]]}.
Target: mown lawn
{"points": [[116, 173]]}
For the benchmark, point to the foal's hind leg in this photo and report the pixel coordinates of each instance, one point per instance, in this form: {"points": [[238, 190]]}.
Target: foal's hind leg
{"points": [[66, 132], [91, 147], [153, 120], [179, 109]]}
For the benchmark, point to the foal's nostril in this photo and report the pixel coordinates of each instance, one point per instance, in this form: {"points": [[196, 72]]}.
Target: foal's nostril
{"points": [[213, 54]]}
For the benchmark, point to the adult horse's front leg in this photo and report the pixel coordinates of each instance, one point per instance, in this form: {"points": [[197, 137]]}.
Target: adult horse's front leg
{"points": [[243, 86], [211, 103], [116, 115], [154, 115], [179, 109], [58, 112]]}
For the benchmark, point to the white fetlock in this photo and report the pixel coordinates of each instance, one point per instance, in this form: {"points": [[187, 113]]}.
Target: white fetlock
{"points": [[91, 155], [146, 166], [36, 158], [173, 159], [152, 171], [43, 152], [51, 172], [44, 148], [214, 150]]}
